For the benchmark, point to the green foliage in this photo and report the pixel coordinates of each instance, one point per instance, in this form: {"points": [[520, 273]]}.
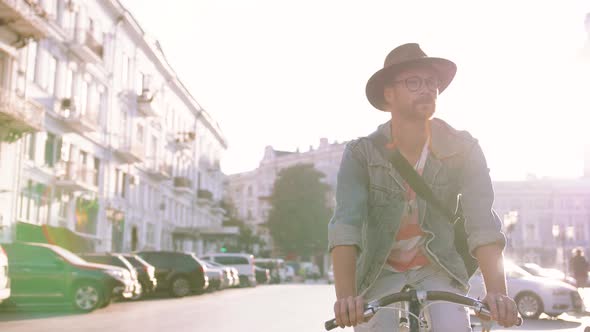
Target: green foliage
{"points": [[299, 215]]}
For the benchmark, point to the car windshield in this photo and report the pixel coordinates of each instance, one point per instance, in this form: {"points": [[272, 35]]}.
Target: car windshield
{"points": [[68, 255]]}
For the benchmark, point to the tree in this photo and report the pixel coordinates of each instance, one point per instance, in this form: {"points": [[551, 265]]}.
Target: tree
{"points": [[247, 238], [299, 215]]}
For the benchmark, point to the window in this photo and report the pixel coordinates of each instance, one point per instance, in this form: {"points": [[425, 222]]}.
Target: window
{"points": [[150, 233], [154, 147], [31, 60], [231, 260], [139, 83], [124, 70], [29, 201], [140, 133], [116, 182], [102, 101], [580, 232], [124, 180], [83, 95], [52, 149], [96, 171], [69, 83], [49, 83], [29, 150]]}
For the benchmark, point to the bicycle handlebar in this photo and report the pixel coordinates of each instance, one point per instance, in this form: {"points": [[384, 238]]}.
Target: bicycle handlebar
{"points": [[371, 308]]}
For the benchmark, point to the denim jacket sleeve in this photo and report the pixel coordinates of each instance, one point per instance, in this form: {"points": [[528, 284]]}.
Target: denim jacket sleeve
{"points": [[482, 224], [345, 227]]}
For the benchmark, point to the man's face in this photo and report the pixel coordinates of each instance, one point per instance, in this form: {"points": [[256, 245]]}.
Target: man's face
{"points": [[412, 93]]}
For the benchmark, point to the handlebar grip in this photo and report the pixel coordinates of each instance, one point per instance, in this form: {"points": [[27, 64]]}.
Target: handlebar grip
{"points": [[330, 325]]}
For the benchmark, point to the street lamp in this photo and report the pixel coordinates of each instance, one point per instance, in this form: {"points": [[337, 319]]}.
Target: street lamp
{"points": [[561, 236]]}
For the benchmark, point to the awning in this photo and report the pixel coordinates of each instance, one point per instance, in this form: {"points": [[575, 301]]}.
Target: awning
{"points": [[59, 236]]}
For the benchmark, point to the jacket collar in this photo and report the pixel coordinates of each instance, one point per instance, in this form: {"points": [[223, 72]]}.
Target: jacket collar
{"points": [[443, 138]]}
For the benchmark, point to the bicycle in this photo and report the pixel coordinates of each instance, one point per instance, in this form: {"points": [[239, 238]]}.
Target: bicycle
{"points": [[417, 301]]}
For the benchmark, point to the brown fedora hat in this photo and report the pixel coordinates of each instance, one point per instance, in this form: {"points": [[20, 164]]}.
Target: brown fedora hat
{"points": [[402, 57]]}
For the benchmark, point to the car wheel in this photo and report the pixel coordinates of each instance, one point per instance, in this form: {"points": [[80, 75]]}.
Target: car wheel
{"points": [[137, 293], [529, 305], [86, 297], [106, 302], [179, 287]]}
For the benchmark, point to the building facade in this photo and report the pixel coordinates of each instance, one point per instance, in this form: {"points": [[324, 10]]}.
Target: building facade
{"points": [[249, 191], [126, 158], [544, 219]]}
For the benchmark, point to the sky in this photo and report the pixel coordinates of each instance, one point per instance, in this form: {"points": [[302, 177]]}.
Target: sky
{"points": [[286, 73]]}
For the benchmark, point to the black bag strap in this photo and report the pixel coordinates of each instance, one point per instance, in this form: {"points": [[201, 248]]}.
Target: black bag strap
{"points": [[414, 180]]}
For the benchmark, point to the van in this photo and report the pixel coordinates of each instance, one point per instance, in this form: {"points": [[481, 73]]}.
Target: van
{"points": [[244, 263]]}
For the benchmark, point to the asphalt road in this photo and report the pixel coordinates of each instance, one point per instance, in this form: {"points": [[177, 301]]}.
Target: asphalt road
{"points": [[286, 308]]}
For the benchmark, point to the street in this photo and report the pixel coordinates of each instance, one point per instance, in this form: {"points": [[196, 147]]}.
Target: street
{"points": [[288, 307]]}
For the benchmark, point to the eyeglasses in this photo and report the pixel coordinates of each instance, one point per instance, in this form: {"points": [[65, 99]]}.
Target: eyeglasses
{"points": [[414, 83]]}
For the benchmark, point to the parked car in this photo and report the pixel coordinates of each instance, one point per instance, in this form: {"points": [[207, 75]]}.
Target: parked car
{"points": [[533, 295], [226, 278], [4, 278], [120, 261], [550, 273], [146, 273], [331, 275], [178, 273], [231, 273], [274, 265], [244, 263], [262, 275], [289, 273], [44, 272], [216, 277]]}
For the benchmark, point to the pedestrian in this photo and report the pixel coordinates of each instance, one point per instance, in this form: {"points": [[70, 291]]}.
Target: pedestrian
{"points": [[381, 236], [579, 268]]}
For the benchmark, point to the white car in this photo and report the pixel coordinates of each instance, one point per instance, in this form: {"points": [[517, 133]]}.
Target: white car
{"points": [[331, 275], [533, 295], [244, 263]]}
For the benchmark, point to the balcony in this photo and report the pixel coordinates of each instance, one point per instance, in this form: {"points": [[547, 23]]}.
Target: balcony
{"points": [[71, 176], [181, 140], [129, 151], [24, 17], [69, 112], [86, 46], [145, 104], [204, 197], [157, 169], [19, 115], [183, 185]]}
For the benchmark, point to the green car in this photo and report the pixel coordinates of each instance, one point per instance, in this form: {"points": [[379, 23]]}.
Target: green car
{"points": [[48, 274]]}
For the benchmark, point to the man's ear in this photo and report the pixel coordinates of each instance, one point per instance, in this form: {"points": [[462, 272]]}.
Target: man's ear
{"points": [[388, 95]]}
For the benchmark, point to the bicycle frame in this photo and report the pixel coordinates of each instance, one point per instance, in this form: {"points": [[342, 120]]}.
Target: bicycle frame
{"points": [[417, 301]]}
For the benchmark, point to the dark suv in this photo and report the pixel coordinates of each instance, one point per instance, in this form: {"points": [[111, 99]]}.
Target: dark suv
{"points": [[177, 272], [41, 273], [120, 261]]}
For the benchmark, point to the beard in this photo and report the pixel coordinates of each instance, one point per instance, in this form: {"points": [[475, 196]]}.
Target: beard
{"points": [[421, 109]]}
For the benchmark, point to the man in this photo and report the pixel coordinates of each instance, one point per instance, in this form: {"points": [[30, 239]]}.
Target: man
{"points": [[383, 237], [579, 268]]}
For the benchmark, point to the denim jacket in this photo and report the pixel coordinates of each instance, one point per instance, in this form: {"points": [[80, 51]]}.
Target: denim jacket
{"points": [[370, 199]]}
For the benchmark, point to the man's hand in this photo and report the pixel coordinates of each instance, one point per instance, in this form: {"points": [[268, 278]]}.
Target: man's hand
{"points": [[503, 309], [349, 311]]}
